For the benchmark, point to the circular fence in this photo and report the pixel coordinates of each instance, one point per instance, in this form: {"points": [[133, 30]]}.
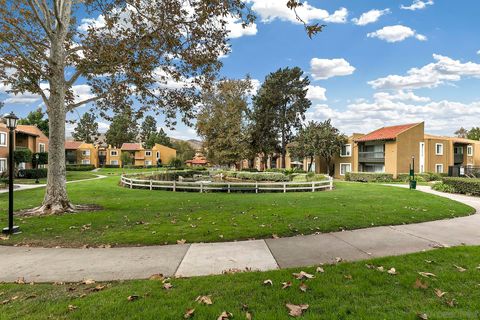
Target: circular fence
{"points": [[130, 181]]}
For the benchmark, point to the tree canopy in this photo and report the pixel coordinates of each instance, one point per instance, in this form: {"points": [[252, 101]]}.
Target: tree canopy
{"points": [[123, 128], [86, 129], [36, 118]]}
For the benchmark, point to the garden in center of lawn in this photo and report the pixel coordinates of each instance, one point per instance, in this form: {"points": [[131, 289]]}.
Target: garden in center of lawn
{"points": [[437, 284], [134, 217]]}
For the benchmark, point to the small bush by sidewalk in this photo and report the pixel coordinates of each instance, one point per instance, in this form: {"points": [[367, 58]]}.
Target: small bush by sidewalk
{"points": [[462, 185]]}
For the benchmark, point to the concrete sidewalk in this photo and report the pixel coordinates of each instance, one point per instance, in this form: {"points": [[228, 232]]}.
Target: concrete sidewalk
{"points": [[50, 264], [21, 187]]}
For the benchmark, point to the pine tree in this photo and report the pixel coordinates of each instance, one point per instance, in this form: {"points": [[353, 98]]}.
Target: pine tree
{"points": [[86, 129], [123, 128]]}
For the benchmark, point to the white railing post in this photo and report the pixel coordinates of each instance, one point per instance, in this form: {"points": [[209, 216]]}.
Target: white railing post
{"points": [[256, 186], [151, 185], [229, 188], [284, 187], [331, 183], [201, 187], [313, 186], [174, 186], [131, 183]]}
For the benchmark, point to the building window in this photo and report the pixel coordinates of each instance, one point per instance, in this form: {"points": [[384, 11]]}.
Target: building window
{"points": [[458, 150], [114, 153], [148, 153], [3, 165], [3, 139], [439, 168], [158, 154], [344, 168], [346, 151], [469, 151], [41, 147], [439, 149], [114, 162], [86, 161], [148, 162], [86, 153]]}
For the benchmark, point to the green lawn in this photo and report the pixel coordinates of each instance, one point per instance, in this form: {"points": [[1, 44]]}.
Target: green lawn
{"points": [[71, 176], [343, 291], [144, 217]]}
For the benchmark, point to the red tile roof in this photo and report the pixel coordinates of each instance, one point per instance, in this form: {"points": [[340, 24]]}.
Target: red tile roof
{"points": [[131, 147], [72, 145], [199, 161], [386, 133], [31, 130]]}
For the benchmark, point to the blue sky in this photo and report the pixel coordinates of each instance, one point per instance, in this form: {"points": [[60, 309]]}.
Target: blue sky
{"points": [[361, 66]]}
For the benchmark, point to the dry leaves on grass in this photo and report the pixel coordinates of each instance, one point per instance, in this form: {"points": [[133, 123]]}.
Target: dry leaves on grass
{"points": [[422, 316], [303, 287], [248, 316], [392, 271], [20, 280], [88, 281], [4, 237], [167, 286], [157, 277], [286, 285], [420, 285], [303, 275], [459, 269], [296, 310], [427, 274], [451, 303], [439, 293], [133, 297], [71, 307], [225, 316], [189, 313], [207, 300], [182, 241], [98, 288], [320, 270], [268, 282]]}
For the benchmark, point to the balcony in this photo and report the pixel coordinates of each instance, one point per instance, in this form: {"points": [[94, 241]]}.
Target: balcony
{"points": [[371, 156], [458, 158]]}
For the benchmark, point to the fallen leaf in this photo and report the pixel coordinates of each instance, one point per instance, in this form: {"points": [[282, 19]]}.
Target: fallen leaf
{"points": [[71, 307], [296, 310], [348, 276], [439, 293], [427, 274], [381, 268], [183, 241], [338, 259], [286, 285], [303, 275], [370, 266], [133, 298], [88, 281], [207, 300], [167, 286], [303, 287], [98, 288], [451, 303], [422, 316], [420, 285], [4, 237], [248, 316], [320, 270], [5, 301], [20, 280], [268, 282], [225, 315], [459, 269], [429, 261], [392, 271], [14, 298], [157, 276], [274, 236], [189, 313]]}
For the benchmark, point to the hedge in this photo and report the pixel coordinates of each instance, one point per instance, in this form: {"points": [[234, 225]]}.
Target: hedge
{"points": [[464, 185], [369, 177], [32, 173], [422, 177], [111, 166], [80, 167]]}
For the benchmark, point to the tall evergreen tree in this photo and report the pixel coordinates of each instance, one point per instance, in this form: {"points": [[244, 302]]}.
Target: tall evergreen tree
{"points": [[284, 91], [37, 118], [222, 119], [123, 128], [86, 129], [184, 150], [148, 129]]}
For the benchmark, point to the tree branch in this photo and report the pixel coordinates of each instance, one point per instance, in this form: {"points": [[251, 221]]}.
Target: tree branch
{"points": [[39, 19], [24, 57]]}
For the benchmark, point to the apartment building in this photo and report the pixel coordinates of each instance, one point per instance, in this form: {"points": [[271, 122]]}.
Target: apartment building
{"points": [[78, 152], [393, 149], [26, 136], [140, 156]]}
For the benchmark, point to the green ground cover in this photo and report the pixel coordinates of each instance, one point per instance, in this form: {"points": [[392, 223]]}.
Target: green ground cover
{"points": [[144, 217], [71, 176], [343, 291]]}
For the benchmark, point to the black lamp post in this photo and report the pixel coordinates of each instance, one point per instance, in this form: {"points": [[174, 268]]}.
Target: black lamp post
{"points": [[11, 120], [37, 156]]}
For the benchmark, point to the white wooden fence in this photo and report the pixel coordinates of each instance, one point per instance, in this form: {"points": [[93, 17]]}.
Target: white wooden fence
{"points": [[205, 186]]}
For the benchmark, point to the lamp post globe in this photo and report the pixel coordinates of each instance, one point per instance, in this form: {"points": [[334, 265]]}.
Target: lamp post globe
{"points": [[37, 156], [11, 121]]}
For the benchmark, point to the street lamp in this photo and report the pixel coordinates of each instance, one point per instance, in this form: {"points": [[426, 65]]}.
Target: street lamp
{"points": [[11, 121], [37, 156]]}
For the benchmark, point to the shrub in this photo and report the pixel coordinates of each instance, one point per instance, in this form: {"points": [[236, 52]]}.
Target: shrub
{"points": [[42, 158], [251, 169], [176, 163], [463, 185], [262, 176], [32, 173], [111, 166], [369, 177], [422, 177], [80, 167], [22, 155], [308, 177], [442, 187]]}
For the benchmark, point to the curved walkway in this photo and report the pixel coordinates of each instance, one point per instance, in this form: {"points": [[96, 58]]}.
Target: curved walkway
{"points": [[68, 265]]}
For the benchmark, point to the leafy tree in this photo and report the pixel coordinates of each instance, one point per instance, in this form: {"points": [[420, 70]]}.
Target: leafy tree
{"points": [[37, 118], [285, 92], [133, 53], [163, 139], [221, 121], [123, 128], [126, 158], [461, 133], [184, 150], [330, 142], [307, 142], [148, 131], [474, 133], [22, 155], [87, 129]]}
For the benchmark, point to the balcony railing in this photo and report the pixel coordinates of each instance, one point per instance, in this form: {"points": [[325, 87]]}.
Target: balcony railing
{"points": [[458, 158], [365, 156]]}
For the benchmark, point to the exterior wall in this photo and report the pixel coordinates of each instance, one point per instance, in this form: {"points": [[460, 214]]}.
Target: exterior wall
{"points": [[140, 156], [111, 158], [391, 157], [4, 149], [353, 159], [408, 145], [166, 154], [432, 159]]}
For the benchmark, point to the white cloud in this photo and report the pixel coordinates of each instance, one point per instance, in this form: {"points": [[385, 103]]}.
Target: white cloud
{"points": [[396, 33], [370, 17], [236, 30], [478, 52], [339, 16], [328, 68], [81, 92], [400, 96], [417, 5], [316, 93], [444, 69], [270, 10]]}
